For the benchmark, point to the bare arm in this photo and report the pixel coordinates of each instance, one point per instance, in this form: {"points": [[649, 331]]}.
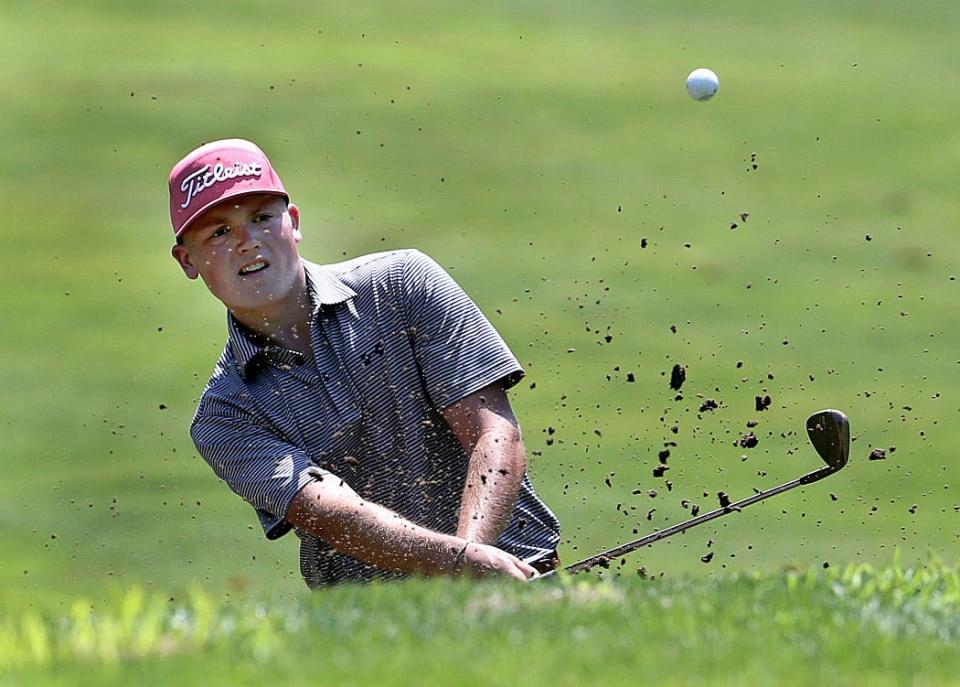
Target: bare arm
{"points": [[488, 431], [329, 509]]}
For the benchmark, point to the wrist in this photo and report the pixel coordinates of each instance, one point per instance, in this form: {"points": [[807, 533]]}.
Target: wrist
{"points": [[460, 557]]}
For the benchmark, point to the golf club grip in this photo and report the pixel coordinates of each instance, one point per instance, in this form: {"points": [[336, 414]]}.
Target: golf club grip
{"points": [[624, 549]]}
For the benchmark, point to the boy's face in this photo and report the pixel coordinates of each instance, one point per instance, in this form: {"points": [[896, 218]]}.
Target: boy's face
{"points": [[245, 249]]}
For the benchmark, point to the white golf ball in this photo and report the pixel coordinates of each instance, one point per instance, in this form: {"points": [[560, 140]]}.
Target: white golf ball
{"points": [[702, 84]]}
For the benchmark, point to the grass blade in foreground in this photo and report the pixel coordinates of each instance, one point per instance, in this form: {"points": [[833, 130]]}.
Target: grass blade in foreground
{"points": [[855, 625]]}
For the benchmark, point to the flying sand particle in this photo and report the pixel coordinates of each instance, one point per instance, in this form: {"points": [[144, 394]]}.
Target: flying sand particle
{"points": [[708, 404], [678, 376]]}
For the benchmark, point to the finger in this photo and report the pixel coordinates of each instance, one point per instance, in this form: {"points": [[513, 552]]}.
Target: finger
{"points": [[507, 565], [516, 573], [528, 571]]}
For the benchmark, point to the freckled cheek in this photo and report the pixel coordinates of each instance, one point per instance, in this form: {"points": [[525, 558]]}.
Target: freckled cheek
{"points": [[216, 274], [217, 262]]}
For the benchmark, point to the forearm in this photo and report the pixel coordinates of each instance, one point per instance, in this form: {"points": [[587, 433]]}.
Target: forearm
{"points": [[495, 471], [330, 510]]}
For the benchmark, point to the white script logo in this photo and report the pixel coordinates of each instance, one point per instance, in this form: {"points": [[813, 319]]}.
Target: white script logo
{"points": [[204, 177]]}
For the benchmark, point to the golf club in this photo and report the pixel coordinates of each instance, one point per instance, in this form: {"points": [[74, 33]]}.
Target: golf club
{"points": [[829, 432]]}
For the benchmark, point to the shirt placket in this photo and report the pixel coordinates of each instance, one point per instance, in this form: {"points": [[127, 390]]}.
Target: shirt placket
{"points": [[333, 373], [295, 382]]}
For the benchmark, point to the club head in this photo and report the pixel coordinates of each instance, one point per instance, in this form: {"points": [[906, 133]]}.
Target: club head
{"points": [[829, 432]]}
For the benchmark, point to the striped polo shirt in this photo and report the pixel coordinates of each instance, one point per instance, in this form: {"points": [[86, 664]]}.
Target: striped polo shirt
{"points": [[394, 340]]}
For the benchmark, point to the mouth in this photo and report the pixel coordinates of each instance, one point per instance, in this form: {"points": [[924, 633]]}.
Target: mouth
{"points": [[253, 267]]}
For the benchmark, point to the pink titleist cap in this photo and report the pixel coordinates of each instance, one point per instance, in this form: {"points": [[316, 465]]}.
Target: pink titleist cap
{"points": [[217, 171]]}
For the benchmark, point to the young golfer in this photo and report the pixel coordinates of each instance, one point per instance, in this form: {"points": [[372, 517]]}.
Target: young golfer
{"points": [[362, 404]]}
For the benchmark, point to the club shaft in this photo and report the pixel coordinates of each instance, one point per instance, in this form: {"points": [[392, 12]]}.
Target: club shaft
{"points": [[624, 549]]}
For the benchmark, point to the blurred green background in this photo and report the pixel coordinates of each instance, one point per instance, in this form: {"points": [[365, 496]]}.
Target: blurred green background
{"points": [[547, 154]]}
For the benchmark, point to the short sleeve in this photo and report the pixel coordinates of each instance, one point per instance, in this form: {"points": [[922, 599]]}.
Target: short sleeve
{"points": [[457, 350], [260, 467]]}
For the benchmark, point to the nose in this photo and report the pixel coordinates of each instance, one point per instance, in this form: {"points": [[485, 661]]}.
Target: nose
{"points": [[248, 239]]}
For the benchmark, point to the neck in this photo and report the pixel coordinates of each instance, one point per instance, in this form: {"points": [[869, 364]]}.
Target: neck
{"points": [[285, 323]]}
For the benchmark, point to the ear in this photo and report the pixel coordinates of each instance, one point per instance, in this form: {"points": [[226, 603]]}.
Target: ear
{"points": [[295, 221], [182, 256]]}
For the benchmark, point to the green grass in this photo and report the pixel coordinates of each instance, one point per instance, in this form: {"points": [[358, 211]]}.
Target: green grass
{"points": [[858, 625], [530, 148]]}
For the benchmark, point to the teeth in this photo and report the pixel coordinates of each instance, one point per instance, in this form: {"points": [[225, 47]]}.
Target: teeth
{"points": [[259, 265]]}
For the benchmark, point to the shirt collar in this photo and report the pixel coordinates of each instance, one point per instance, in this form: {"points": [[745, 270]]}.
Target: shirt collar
{"points": [[324, 288]]}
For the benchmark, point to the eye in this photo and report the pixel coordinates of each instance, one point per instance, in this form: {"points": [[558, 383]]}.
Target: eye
{"points": [[222, 230], [263, 217]]}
